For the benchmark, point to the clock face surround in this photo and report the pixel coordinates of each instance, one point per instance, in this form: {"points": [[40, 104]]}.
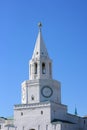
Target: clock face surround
{"points": [[46, 91]]}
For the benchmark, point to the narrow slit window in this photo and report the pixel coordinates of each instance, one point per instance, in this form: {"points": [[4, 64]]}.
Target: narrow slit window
{"points": [[21, 113], [43, 68], [41, 112], [50, 68], [32, 98]]}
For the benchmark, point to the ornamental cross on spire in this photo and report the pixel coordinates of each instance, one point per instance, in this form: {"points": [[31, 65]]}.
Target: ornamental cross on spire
{"points": [[40, 25]]}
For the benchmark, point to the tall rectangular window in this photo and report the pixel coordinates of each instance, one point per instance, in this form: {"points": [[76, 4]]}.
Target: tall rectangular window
{"points": [[43, 68], [35, 65]]}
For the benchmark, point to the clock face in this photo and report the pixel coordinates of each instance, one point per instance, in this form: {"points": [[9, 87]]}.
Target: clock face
{"points": [[46, 91]]}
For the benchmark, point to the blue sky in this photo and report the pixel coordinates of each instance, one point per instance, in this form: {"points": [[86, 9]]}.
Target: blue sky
{"points": [[65, 35]]}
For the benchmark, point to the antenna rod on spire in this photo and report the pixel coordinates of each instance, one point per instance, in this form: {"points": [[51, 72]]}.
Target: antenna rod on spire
{"points": [[40, 25]]}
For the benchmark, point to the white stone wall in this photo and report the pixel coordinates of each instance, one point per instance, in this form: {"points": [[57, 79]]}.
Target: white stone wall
{"points": [[32, 89], [32, 117], [58, 111]]}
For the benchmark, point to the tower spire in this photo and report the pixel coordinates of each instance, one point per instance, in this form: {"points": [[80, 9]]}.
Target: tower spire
{"points": [[40, 48], [40, 65]]}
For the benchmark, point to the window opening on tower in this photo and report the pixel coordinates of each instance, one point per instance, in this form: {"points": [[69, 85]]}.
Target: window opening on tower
{"points": [[21, 113], [32, 98], [35, 65], [43, 68]]}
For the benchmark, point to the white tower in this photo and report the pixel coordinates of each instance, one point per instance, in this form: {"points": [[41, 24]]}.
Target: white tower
{"points": [[41, 87], [41, 107]]}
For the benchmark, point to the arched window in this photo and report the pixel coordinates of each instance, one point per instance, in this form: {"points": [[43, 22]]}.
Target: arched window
{"points": [[43, 68], [35, 66]]}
